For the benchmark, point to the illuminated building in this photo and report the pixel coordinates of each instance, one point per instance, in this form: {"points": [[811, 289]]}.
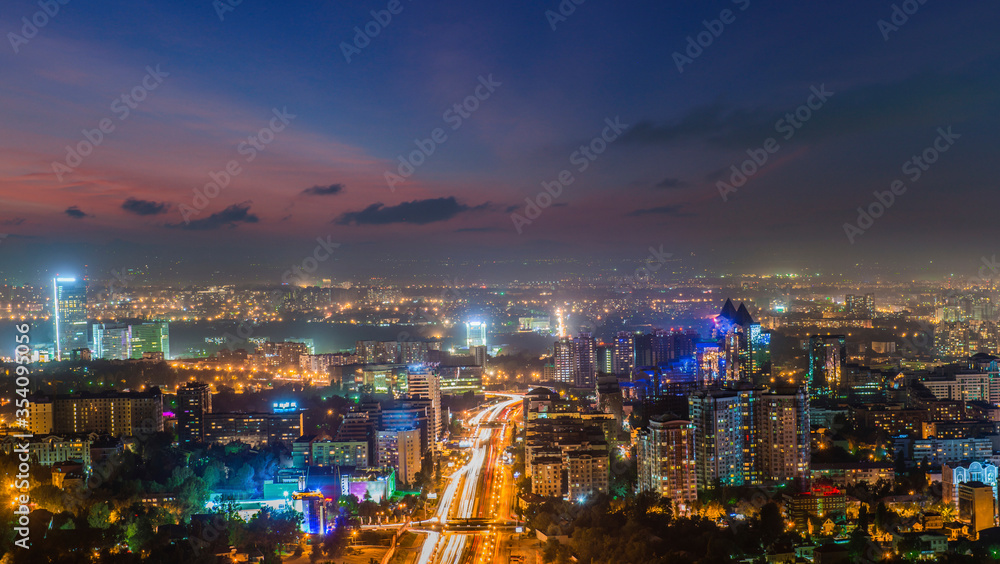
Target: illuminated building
{"points": [[666, 460], [724, 437], [977, 505], [312, 506], [50, 450], [150, 337], [424, 384], [255, 429], [114, 413], [822, 501], [194, 400], [400, 450], [827, 357], [587, 474], [340, 453], [783, 436], [576, 360], [953, 476], [70, 315], [860, 306], [624, 353], [358, 427], [112, 342], [475, 332]]}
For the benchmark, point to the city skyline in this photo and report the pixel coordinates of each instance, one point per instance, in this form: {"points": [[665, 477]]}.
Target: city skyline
{"points": [[870, 95]]}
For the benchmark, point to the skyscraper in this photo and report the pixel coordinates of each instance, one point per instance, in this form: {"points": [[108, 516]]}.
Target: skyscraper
{"points": [[724, 437], [426, 385], [194, 400], [624, 353], [70, 315], [783, 439], [565, 360], [475, 333], [586, 360], [827, 357], [666, 460], [112, 342]]}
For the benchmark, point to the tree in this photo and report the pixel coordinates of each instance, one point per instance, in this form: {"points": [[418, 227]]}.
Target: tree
{"points": [[772, 524], [99, 516]]}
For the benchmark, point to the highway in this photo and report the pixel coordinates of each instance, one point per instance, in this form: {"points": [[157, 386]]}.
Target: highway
{"points": [[474, 509]]}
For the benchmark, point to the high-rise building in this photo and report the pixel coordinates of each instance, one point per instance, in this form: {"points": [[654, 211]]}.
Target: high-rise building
{"points": [[112, 342], [827, 357], [624, 353], [478, 355], [586, 360], [150, 337], [724, 437], [194, 400], [783, 436], [666, 460], [70, 315], [605, 359], [860, 306], [400, 450], [424, 384], [565, 360], [475, 333]]}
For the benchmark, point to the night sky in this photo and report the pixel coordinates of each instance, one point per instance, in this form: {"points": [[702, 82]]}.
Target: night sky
{"points": [[335, 128]]}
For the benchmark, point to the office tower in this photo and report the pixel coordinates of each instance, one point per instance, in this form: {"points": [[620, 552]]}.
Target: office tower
{"points": [[424, 384], [758, 354], [585, 375], [783, 436], [194, 401], [70, 315], [624, 353], [827, 357], [475, 333], [860, 306], [150, 338], [724, 437], [400, 450], [666, 460], [112, 342]]}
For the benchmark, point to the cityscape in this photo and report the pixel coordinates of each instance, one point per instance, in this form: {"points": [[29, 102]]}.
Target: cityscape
{"points": [[522, 283]]}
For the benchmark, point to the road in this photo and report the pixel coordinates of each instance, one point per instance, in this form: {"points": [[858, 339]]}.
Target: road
{"points": [[475, 508]]}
